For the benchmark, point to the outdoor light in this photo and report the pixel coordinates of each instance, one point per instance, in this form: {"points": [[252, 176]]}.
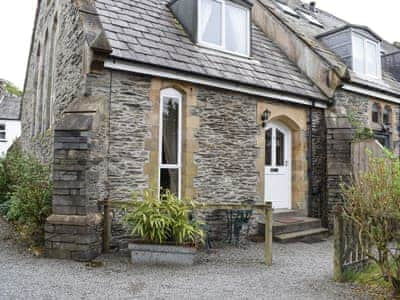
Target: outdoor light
{"points": [[265, 117]]}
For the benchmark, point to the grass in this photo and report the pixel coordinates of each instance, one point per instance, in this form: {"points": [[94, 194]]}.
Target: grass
{"points": [[370, 278]]}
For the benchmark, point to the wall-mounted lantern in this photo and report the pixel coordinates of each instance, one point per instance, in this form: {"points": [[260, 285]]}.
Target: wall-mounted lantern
{"points": [[265, 117]]}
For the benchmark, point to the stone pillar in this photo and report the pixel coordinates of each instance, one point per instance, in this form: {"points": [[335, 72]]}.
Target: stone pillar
{"points": [[339, 168], [73, 231]]}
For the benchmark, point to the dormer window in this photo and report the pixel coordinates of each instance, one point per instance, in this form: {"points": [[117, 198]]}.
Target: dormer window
{"points": [[224, 25], [366, 56]]}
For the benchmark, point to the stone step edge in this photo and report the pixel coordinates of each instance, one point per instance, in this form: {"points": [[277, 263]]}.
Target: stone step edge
{"points": [[300, 234]]}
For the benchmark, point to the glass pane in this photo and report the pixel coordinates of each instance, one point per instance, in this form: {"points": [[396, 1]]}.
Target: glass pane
{"points": [[372, 59], [170, 139], [280, 148], [236, 29], [268, 147], [358, 54], [2, 126], [211, 22], [2, 135], [169, 180], [386, 118]]}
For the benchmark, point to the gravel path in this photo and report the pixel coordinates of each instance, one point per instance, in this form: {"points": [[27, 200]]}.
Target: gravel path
{"points": [[300, 271]]}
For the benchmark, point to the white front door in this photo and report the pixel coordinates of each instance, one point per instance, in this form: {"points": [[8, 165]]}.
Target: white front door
{"points": [[278, 154]]}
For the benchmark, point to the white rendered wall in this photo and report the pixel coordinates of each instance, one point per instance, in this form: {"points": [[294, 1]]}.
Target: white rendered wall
{"points": [[13, 131]]}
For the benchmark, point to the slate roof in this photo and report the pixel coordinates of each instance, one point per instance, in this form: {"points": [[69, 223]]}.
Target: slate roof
{"points": [[147, 32], [10, 107], [310, 32]]}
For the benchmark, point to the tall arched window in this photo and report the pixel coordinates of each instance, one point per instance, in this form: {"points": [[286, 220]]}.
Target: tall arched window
{"points": [[170, 141], [35, 89], [387, 113], [41, 86], [376, 110], [50, 76]]}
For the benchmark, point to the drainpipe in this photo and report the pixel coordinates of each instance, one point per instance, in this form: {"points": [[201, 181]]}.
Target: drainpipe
{"points": [[107, 234], [310, 160]]}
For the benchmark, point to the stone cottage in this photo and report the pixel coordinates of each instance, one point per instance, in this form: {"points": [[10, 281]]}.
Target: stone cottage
{"points": [[353, 66], [10, 118], [217, 100]]}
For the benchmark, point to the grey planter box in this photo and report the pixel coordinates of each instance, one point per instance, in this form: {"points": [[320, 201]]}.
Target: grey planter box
{"points": [[149, 254]]}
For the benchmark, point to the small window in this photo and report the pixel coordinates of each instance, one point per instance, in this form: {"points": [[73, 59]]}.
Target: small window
{"points": [[280, 148], [366, 56], [2, 131], [288, 10], [311, 19], [386, 115], [170, 141], [375, 112], [224, 25]]}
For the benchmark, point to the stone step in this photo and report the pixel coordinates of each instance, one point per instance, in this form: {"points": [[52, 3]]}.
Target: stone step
{"points": [[299, 236], [300, 225], [282, 213]]}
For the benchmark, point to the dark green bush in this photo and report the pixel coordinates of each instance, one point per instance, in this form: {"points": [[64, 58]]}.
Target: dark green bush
{"points": [[25, 194]]}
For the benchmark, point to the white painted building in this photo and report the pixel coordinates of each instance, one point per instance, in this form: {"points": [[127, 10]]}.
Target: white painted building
{"points": [[10, 121]]}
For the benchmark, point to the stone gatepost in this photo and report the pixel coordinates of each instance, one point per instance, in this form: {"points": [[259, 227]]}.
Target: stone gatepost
{"points": [[73, 231]]}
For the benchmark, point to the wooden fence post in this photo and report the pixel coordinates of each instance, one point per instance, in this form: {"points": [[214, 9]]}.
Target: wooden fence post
{"points": [[338, 245], [268, 233]]}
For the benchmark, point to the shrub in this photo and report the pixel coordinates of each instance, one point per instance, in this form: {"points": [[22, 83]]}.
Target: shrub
{"points": [[373, 202], [25, 197], [162, 220]]}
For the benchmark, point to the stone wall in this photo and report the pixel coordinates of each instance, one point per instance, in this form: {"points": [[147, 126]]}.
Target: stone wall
{"points": [[68, 75], [317, 168]]}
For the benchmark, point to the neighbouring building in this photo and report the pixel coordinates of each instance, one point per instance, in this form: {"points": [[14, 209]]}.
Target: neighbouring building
{"points": [[10, 119], [220, 101]]}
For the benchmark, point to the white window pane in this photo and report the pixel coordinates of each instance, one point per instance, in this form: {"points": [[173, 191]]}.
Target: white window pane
{"points": [[236, 29], [211, 22], [358, 55], [372, 59]]}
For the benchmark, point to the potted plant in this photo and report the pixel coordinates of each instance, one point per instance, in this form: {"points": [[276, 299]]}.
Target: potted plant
{"points": [[162, 230]]}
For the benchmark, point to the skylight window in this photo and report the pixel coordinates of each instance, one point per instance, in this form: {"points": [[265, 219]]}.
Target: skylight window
{"points": [[311, 19], [288, 10], [224, 25], [366, 56]]}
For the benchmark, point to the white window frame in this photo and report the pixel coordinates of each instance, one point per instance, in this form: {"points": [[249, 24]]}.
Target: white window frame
{"points": [[170, 93], [223, 33], [311, 19], [378, 52], [5, 132]]}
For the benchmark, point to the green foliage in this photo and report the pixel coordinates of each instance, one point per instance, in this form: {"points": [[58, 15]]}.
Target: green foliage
{"points": [[371, 278], [25, 194], [164, 220], [361, 133], [373, 202], [12, 89]]}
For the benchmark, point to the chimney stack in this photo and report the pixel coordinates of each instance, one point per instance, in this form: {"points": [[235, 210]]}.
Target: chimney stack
{"points": [[313, 6]]}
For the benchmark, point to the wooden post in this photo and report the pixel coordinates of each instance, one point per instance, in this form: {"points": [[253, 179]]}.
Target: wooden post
{"points": [[268, 233], [338, 245], [107, 228]]}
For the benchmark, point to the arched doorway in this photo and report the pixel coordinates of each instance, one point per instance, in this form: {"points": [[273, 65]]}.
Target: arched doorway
{"points": [[278, 165]]}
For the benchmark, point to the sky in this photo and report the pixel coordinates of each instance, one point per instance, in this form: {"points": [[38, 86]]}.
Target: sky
{"points": [[17, 17]]}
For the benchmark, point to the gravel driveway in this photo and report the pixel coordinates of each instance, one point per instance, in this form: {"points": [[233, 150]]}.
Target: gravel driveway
{"points": [[300, 271]]}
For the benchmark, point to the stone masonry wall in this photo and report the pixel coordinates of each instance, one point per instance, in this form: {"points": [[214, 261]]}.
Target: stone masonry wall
{"points": [[227, 153], [317, 203], [68, 76]]}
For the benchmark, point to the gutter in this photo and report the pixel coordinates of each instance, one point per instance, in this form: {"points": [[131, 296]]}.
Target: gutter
{"points": [[140, 68]]}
